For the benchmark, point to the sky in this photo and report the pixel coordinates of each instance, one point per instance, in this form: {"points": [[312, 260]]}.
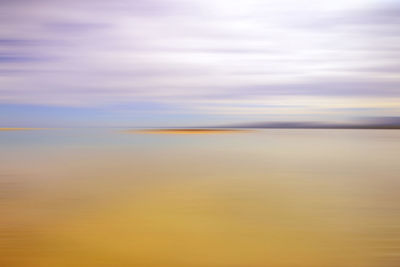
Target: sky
{"points": [[149, 63]]}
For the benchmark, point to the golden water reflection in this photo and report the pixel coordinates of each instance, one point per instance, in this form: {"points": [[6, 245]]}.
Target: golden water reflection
{"points": [[273, 198]]}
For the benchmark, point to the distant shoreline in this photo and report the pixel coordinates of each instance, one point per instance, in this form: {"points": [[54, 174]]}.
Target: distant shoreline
{"points": [[322, 128], [311, 125]]}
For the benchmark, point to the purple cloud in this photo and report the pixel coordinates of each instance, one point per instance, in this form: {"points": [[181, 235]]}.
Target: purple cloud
{"points": [[187, 53]]}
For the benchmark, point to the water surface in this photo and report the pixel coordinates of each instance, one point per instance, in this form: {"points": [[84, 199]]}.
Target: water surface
{"points": [[283, 198]]}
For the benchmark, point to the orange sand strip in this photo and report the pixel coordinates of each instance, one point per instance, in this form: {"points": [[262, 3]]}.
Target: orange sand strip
{"points": [[187, 131], [19, 129]]}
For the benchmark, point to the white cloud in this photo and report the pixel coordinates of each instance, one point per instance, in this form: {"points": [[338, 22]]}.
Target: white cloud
{"points": [[111, 52]]}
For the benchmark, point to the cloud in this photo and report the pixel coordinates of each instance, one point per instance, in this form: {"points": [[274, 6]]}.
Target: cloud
{"points": [[186, 54], [11, 58]]}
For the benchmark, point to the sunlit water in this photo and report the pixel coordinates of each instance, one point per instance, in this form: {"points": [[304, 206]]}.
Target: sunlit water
{"points": [[273, 198]]}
